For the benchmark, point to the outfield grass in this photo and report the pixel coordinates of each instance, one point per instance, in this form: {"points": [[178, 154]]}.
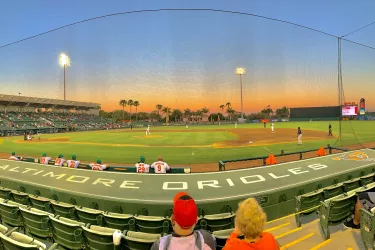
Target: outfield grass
{"points": [[181, 148]]}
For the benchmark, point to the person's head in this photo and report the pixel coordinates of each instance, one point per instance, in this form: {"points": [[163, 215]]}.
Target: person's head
{"points": [[185, 214], [160, 158], [142, 159], [74, 157], [250, 218], [13, 153], [44, 155], [99, 161], [299, 128], [60, 156]]}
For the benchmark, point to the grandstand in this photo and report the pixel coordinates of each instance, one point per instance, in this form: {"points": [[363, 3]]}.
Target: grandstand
{"points": [[20, 114]]}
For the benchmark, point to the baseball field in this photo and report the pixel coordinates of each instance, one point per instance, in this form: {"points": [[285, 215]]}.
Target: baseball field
{"points": [[200, 144]]}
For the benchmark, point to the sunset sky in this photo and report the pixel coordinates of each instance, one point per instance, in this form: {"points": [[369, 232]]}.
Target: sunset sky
{"points": [[185, 59]]}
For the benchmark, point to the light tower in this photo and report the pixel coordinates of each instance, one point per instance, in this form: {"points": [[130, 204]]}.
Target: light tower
{"points": [[64, 61], [240, 72]]}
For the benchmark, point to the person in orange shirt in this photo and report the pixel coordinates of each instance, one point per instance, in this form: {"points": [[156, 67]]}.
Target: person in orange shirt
{"points": [[249, 222]]}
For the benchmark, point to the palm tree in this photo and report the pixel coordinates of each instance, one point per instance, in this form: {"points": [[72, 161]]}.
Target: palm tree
{"points": [[187, 113], [130, 103], [198, 114], [136, 104], [167, 112], [228, 105], [177, 115], [222, 106], [230, 111], [205, 110], [159, 107], [123, 103]]}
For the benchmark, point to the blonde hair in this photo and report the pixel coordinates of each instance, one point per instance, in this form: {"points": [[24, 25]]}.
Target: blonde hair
{"points": [[250, 218]]}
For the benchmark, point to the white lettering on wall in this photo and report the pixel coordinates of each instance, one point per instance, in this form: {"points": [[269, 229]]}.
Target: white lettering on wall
{"points": [[230, 182], [210, 183], [105, 182], [129, 184], [175, 186], [77, 179], [258, 178], [277, 177], [4, 167], [51, 174], [317, 166], [297, 170], [14, 169]]}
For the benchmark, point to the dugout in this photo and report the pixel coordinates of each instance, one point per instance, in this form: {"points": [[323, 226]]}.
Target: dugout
{"points": [[315, 113]]}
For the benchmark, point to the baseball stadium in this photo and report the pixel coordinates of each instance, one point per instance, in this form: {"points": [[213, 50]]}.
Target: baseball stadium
{"points": [[100, 129]]}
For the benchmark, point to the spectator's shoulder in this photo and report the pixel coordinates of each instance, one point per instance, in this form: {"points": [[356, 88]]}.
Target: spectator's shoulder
{"points": [[208, 238]]}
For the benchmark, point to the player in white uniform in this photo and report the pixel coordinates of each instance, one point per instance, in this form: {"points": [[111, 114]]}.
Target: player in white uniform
{"points": [[45, 159], [148, 130], [160, 167], [14, 157], [98, 165], [235, 125], [59, 160], [141, 166], [273, 128], [73, 163]]}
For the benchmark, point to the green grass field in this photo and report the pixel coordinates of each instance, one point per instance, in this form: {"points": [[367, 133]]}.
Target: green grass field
{"points": [[192, 146]]}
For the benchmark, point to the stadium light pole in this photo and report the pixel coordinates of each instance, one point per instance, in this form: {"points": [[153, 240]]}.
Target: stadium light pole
{"points": [[241, 72], [64, 61]]}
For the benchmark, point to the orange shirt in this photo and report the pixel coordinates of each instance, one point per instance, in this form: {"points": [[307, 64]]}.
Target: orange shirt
{"points": [[267, 242]]}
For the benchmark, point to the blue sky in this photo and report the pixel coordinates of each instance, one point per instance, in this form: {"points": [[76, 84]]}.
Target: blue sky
{"points": [[186, 59]]}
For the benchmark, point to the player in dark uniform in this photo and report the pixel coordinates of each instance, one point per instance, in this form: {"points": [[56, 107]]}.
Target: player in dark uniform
{"points": [[330, 130], [299, 136], [264, 124]]}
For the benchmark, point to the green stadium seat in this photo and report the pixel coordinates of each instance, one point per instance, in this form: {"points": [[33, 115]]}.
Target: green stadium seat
{"points": [[138, 240], [221, 237], [67, 233], [10, 214], [366, 179], [5, 193], [37, 223], [333, 190], [351, 184], [335, 210], [117, 221], [89, 215], [21, 198], [307, 204], [6, 231], [40, 203], [63, 209], [151, 224], [216, 222], [99, 238], [367, 222], [18, 241]]}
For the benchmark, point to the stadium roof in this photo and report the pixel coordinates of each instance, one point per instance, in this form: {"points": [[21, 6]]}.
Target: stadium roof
{"points": [[12, 100]]}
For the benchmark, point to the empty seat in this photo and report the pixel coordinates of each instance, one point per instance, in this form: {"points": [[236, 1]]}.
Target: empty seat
{"points": [[68, 233], [99, 237], [307, 203], [351, 184], [6, 231], [5, 193], [117, 221], [63, 209], [18, 241], [138, 240], [36, 223], [333, 190], [335, 210], [40, 203], [367, 179], [21, 198], [216, 222], [88, 215], [151, 224], [10, 214]]}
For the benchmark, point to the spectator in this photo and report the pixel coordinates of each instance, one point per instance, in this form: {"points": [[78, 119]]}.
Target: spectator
{"points": [[365, 198], [249, 222], [14, 157], [160, 167], [73, 163], [44, 159], [98, 165], [141, 166], [184, 219], [59, 160]]}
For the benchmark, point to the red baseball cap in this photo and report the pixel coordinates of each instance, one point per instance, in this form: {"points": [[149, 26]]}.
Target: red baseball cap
{"points": [[185, 210]]}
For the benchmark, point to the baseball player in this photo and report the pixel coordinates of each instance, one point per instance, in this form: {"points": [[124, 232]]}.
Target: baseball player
{"points": [[186, 126], [299, 136], [73, 163], [14, 157], [141, 166], [330, 130], [235, 125], [98, 165], [272, 128], [38, 135], [148, 130], [59, 160], [45, 159], [160, 167]]}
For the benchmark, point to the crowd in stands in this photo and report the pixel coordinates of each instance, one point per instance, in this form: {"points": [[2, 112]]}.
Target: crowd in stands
{"points": [[49, 120]]}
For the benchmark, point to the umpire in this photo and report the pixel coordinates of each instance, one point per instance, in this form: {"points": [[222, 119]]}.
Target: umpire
{"points": [[330, 130]]}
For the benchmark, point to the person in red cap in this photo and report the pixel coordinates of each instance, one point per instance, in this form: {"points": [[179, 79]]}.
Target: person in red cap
{"points": [[184, 219]]}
